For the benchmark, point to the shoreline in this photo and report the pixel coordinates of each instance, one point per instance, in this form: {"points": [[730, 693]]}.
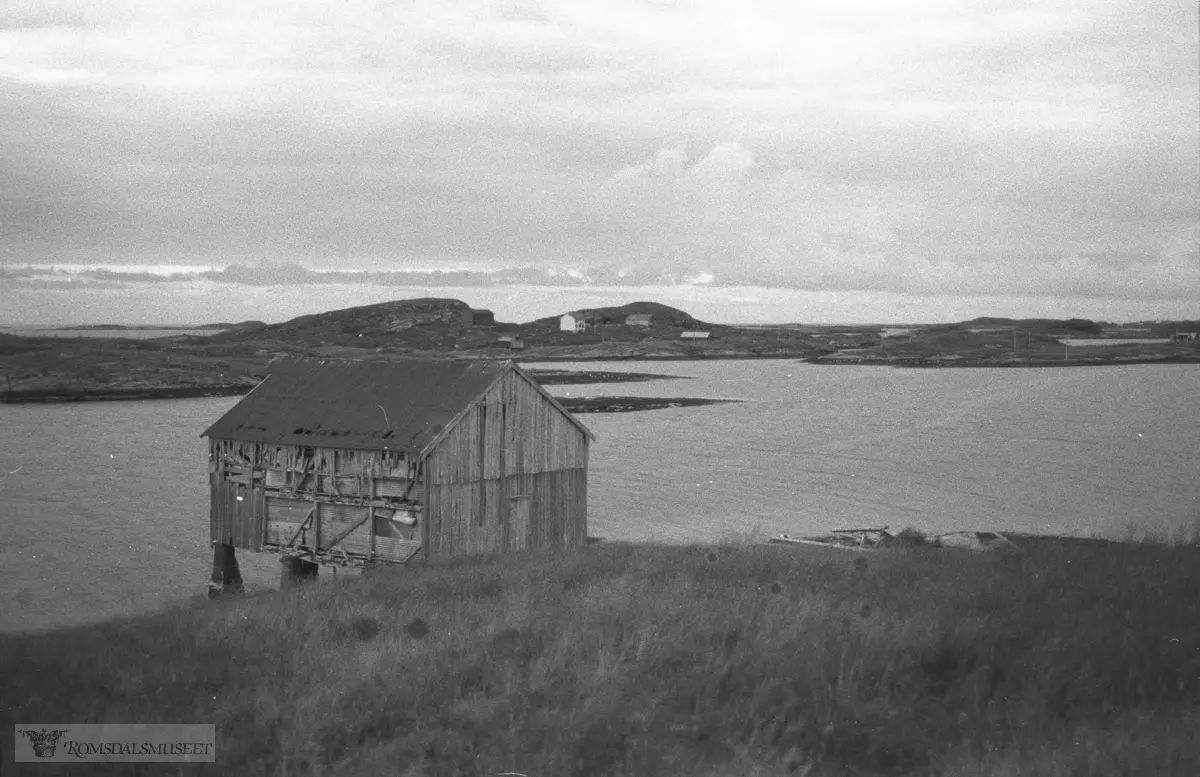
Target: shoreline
{"points": [[64, 394], [601, 404], [46, 370], [918, 363], [38, 396]]}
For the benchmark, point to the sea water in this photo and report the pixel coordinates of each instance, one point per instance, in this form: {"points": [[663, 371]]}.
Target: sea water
{"points": [[105, 504]]}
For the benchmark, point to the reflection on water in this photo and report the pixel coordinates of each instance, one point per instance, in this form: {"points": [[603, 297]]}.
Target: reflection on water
{"points": [[106, 511]]}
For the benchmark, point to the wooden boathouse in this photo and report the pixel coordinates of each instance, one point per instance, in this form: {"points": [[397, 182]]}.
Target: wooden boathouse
{"points": [[352, 462]]}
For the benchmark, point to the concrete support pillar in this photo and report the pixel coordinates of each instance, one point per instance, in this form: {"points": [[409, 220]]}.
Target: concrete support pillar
{"points": [[226, 576]]}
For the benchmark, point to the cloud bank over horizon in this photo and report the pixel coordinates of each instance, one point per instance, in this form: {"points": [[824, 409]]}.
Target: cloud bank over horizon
{"points": [[930, 149], [1086, 278], [58, 295]]}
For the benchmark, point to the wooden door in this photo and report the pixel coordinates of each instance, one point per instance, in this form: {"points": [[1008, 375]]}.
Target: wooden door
{"points": [[251, 504], [236, 514]]}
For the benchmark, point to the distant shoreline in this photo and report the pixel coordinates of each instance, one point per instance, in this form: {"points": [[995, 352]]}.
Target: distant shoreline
{"points": [[917, 363], [599, 404], [106, 362], [52, 394], [602, 404]]}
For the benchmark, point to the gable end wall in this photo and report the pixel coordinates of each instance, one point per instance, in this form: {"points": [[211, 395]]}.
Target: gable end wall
{"points": [[512, 474]]}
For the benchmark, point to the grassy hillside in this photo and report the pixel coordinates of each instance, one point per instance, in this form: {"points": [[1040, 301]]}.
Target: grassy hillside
{"points": [[608, 324], [1074, 327], [1064, 659], [428, 323], [1004, 342]]}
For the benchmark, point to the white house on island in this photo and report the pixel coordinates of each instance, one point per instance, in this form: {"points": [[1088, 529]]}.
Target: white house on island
{"points": [[570, 323]]}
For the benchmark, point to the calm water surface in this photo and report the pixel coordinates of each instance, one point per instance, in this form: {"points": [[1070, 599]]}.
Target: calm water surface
{"points": [[108, 334], [105, 505]]}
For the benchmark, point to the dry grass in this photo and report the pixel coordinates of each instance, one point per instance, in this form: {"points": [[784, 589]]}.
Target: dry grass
{"points": [[1069, 658], [1183, 534]]}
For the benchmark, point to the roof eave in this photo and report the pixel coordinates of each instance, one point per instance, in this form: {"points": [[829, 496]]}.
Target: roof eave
{"points": [[509, 365], [550, 397], [457, 419], [213, 425]]}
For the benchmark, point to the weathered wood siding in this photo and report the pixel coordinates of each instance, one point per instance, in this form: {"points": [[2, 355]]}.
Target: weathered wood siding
{"points": [[543, 510], [281, 485], [511, 445], [235, 513], [286, 465], [523, 433], [511, 474]]}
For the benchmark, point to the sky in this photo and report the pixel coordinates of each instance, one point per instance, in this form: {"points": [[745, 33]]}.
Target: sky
{"points": [[164, 161]]}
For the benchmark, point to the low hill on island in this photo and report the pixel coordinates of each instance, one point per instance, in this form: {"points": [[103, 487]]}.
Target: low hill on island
{"points": [[235, 359], [662, 317], [612, 324], [1075, 327], [452, 326], [428, 323]]}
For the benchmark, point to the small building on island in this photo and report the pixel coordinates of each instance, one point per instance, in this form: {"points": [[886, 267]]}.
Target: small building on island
{"points": [[695, 335], [512, 342], [472, 317], [352, 462], [570, 323], [638, 319]]}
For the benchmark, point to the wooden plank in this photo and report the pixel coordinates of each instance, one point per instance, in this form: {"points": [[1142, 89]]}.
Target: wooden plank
{"points": [[396, 549], [311, 514], [260, 517], [368, 514], [357, 542], [371, 498], [285, 508], [302, 467], [398, 487], [246, 516], [332, 478], [214, 508], [482, 447], [502, 497], [432, 517], [278, 532]]}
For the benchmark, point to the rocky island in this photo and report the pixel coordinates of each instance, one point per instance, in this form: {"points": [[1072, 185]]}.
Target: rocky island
{"points": [[235, 357], [1007, 342]]}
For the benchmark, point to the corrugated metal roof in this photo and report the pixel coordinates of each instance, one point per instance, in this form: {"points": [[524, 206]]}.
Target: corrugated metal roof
{"points": [[337, 403]]}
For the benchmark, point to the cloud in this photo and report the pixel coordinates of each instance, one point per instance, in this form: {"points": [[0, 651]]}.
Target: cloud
{"points": [[1075, 277], [925, 145]]}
